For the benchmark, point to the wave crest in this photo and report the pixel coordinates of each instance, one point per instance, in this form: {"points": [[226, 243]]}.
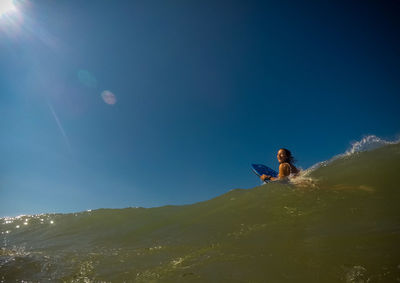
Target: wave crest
{"points": [[368, 143]]}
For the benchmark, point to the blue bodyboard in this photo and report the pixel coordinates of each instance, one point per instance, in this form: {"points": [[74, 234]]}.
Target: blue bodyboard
{"points": [[260, 169]]}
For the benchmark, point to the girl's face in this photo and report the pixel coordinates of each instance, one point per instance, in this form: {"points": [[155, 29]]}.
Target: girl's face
{"points": [[282, 156]]}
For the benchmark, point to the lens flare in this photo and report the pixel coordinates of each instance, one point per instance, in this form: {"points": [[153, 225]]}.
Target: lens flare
{"points": [[87, 79], [108, 97], [6, 6], [11, 18]]}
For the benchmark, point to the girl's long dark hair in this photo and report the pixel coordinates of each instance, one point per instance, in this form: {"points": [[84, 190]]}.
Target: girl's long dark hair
{"points": [[290, 159]]}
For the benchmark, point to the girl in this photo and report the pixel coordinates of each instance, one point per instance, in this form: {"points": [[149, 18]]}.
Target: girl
{"points": [[286, 166]]}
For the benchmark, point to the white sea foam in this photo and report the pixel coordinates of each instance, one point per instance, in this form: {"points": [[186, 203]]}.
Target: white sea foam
{"points": [[367, 143]]}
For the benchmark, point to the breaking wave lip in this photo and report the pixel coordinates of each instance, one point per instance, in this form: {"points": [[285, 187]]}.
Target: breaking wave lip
{"points": [[367, 143]]}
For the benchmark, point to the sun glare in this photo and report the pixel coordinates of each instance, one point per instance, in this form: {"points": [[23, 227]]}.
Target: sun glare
{"points": [[6, 6]]}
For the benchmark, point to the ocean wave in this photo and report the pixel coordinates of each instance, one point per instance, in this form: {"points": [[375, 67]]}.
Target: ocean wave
{"points": [[367, 143], [345, 229]]}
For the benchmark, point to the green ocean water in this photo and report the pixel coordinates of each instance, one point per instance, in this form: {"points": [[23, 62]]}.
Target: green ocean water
{"points": [[337, 223]]}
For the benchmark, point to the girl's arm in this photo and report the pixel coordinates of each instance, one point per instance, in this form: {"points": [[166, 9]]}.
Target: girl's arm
{"points": [[284, 171]]}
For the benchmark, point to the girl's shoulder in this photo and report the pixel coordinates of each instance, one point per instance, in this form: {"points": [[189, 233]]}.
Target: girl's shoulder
{"points": [[284, 164], [292, 169], [284, 169]]}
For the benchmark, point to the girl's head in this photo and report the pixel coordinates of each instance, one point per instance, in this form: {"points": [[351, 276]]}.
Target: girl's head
{"points": [[284, 155]]}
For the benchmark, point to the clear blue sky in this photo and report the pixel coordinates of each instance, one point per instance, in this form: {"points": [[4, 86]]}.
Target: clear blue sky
{"points": [[203, 89]]}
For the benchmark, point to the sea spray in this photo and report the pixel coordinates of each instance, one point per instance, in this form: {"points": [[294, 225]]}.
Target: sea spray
{"points": [[368, 143]]}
